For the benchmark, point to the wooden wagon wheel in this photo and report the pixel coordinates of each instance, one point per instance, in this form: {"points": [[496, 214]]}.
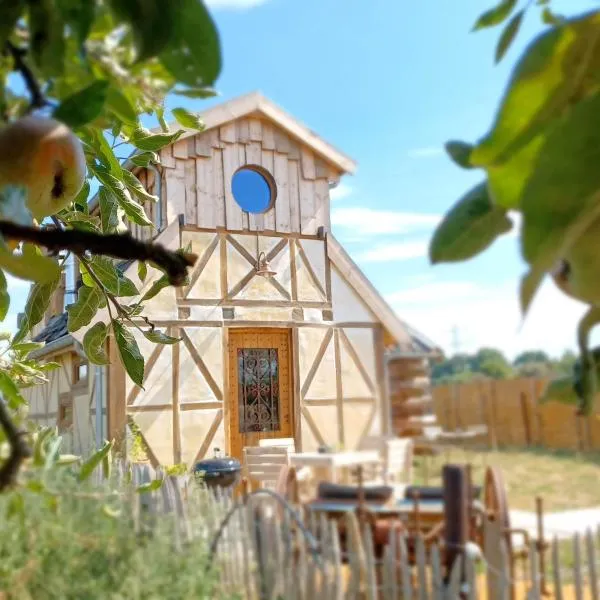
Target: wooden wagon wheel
{"points": [[496, 509]]}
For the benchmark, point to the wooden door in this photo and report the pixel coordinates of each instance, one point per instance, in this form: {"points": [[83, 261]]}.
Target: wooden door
{"points": [[260, 387]]}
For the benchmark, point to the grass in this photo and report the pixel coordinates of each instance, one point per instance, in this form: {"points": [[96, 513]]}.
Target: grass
{"points": [[565, 480]]}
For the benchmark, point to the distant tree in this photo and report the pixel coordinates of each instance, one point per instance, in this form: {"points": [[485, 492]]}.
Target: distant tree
{"points": [[531, 356], [492, 363], [566, 363]]}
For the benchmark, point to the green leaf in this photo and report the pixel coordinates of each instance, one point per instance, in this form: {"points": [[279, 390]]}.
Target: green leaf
{"points": [[131, 357], [132, 209], [144, 159], [89, 466], [559, 200], [542, 87], [35, 307], [65, 460], [560, 390], [85, 308], [202, 92], [24, 348], [110, 276], [152, 22], [160, 115], [153, 142], [135, 186], [83, 106], [107, 464], [151, 486], [103, 152], [120, 105], [81, 200], [188, 119], [46, 30], [495, 15], [93, 344], [111, 214], [10, 391], [470, 226], [4, 296], [549, 18], [159, 285], [49, 366], [193, 56], [79, 16], [29, 265], [142, 270], [508, 35], [460, 153], [39, 447], [158, 337]]}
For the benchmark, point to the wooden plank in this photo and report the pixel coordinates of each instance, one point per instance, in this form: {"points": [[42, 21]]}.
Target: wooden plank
{"points": [[592, 566], [316, 363], [282, 211], [166, 157], [307, 207], [321, 169], [233, 212], [191, 202], [116, 403], [338, 386], [212, 384], [327, 270], [243, 131], [294, 195], [228, 133], [256, 222], [293, 273], [201, 263], [203, 146], [313, 426], [217, 189], [205, 195], [356, 360], [293, 149], [180, 149], [255, 130], [242, 162], [268, 136], [223, 265], [267, 162], [296, 394], [175, 398], [282, 142], [309, 270], [307, 161], [210, 436], [322, 215], [175, 198]]}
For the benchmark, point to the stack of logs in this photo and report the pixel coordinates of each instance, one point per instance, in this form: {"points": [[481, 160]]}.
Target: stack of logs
{"points": [[410, 394]]}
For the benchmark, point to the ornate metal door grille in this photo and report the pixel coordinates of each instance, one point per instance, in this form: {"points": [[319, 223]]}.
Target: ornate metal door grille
{"points": [[258, 385]]}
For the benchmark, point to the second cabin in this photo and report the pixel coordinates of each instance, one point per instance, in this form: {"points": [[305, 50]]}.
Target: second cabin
{"points": [[282, 334]]}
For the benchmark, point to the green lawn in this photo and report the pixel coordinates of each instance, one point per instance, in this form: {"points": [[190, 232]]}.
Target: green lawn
{"points": [[565, 480]]}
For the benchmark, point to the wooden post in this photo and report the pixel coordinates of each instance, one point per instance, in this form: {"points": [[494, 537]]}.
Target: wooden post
{"points": [[493, 417], [456, 517], [525, 416], [541, 542], [116, 403]]}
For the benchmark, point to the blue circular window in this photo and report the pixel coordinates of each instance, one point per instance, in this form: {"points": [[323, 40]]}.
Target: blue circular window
{"points": [[253, 189]]}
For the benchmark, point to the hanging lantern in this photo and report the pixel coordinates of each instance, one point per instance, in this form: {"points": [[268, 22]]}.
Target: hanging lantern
{"points": [[263, 268]]}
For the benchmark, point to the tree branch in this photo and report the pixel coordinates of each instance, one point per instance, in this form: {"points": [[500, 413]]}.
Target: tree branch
{"points": [[123, 246], [19, 450], [18, 55]]}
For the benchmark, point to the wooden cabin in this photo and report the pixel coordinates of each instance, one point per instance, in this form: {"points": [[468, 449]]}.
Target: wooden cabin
{"points": [[281, 333]]}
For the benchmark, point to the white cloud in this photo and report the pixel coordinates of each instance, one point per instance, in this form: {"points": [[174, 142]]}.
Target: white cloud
{"points": [[392, 252], [234, 4], [426, 152], [367, 221], [340, 192], [489, 315]]}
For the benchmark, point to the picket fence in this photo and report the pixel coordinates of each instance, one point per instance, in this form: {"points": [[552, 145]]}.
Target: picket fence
{"points": [[267, 549]]}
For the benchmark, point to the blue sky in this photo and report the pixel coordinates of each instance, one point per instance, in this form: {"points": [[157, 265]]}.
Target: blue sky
{"points": [[388, 83]]}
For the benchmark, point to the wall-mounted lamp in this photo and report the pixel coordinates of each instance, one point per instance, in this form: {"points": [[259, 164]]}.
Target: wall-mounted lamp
{"points": [[263, 268]]}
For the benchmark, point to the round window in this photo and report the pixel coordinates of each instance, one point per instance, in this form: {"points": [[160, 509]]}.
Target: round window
{"points": [[253, 189]]}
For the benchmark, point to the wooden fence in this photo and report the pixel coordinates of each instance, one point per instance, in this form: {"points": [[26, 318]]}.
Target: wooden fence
{"points": [[266, 549], [513, 417]]}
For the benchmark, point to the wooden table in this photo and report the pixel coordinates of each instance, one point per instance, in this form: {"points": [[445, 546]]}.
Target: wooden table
{"points": [[331, 462]]}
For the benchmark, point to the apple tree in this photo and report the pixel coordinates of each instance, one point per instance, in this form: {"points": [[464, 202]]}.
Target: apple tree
{"points": [[75, 78], [540, 158]]}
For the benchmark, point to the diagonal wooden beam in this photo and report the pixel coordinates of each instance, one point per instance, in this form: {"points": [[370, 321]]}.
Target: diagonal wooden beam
{"points": [[356, 360], [153, 460], [212, 384], [201, 264], [312, 275], [279, 288], [313, 426], [317, 362], [133, 394], [210, 435], [276, 249], [251, 259]]}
